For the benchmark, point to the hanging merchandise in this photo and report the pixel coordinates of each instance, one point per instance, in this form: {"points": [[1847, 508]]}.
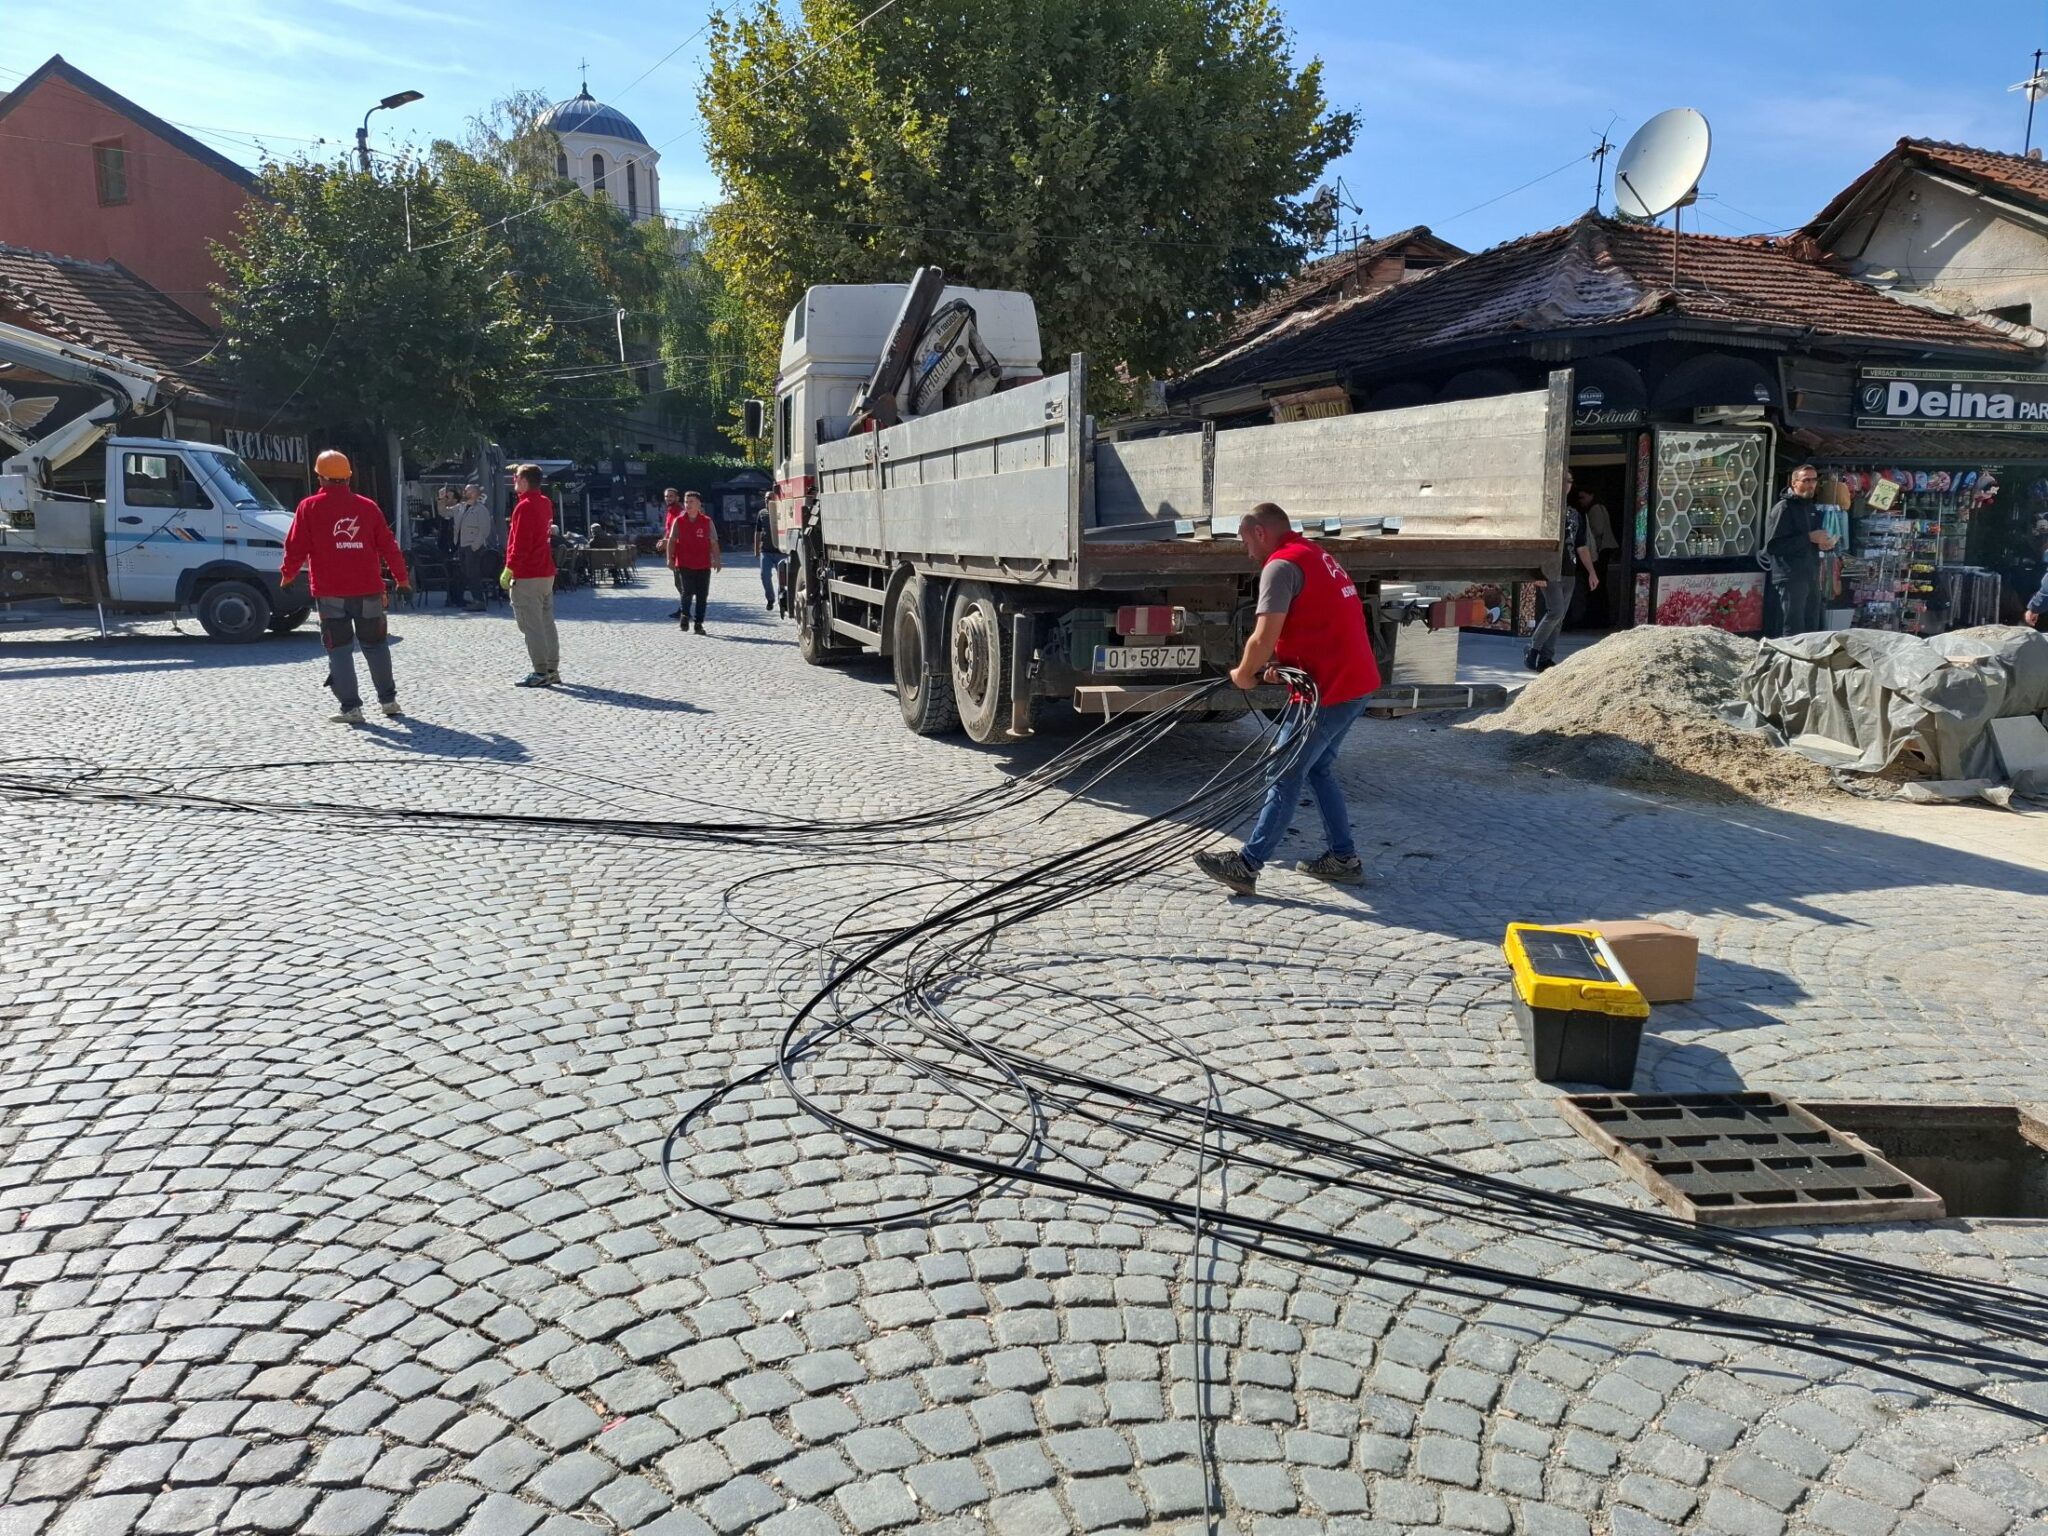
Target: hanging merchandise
{"points": [[1898, 528]]}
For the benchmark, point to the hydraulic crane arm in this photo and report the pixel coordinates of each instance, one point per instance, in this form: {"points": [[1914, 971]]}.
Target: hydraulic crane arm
{"points": [[129, 390]]}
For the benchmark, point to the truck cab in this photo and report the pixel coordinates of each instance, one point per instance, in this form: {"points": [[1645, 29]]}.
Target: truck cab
{"points": [[158, 525]]}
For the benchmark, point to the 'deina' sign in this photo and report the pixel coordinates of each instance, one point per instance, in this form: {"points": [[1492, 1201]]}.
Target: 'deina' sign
{"points": [[1934, 398]]}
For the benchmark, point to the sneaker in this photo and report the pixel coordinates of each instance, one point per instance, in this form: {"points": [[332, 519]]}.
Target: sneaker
{"points": [[1531, 661], [700, 629], [1229, 869], [1336, 870], [348, 716], [771, 607], [391, 710], [533, 680], [553, 678], [683, 625]]}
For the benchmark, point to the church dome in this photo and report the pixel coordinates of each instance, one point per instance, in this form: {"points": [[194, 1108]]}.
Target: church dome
{"points": [[583, 113]]}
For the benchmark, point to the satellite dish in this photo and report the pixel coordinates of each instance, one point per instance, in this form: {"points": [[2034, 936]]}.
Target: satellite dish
{"points": [[1661, 164]]}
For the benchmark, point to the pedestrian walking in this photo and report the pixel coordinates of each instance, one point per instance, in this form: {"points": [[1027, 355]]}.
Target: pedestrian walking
{"points": [[768, 553], [470, 528], [1576, 557], [1308, 616], [671, 509], [343, 541], [529, 575], [692, 544], [1794, 537]]}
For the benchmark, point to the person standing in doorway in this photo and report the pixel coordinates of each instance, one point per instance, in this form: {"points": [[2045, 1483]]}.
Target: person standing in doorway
{"points": [[1794, 539], [345, 542], [470, 528], [693, 556], [529, 575], [1308, 616], [1600, 535], [768, 553], [1575, 560]]}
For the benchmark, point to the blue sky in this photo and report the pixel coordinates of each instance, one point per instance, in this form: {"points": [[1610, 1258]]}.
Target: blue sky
{"points": [[1461, 102]]}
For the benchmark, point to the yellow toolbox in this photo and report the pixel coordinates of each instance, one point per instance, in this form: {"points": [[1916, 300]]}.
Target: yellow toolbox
{"points": [[1582, 1018]]}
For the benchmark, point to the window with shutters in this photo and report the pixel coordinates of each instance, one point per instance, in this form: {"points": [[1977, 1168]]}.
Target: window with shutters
{"points": [[632, 190], [597, 173]]}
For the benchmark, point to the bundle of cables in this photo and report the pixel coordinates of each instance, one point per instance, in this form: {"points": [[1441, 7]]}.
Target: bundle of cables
{"points": [[930, 1071]]}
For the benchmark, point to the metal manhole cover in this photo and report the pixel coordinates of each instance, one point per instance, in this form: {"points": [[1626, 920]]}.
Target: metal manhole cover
{"points": [[1746, 1160]]}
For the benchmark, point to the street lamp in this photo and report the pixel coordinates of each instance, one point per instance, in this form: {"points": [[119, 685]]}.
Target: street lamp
{"points": [[403, 98]]}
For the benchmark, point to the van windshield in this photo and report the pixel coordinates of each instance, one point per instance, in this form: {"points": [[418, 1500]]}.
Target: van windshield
{"points": [[238, 482]]}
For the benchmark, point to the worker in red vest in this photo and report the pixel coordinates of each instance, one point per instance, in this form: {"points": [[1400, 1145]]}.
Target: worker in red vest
{"points": [[1308, 617], [691, 542], [344, 540]]}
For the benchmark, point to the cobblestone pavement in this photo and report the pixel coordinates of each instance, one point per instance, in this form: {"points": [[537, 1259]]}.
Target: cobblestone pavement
{"points": [[328, 1186]]}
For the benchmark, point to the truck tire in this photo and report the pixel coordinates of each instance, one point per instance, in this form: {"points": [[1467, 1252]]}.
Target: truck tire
{"points": [[924, 686], [977, 651], [235, 612], [813, 629], [290, 619]]}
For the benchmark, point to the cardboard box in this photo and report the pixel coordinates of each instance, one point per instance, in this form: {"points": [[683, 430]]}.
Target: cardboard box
{"points": [[1661, 960]]}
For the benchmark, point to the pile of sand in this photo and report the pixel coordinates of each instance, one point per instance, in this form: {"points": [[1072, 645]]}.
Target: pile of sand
{"points": [[1638, 709]]}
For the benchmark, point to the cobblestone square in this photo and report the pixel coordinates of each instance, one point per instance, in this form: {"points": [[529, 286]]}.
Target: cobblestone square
{"points": [[330, 1196]]}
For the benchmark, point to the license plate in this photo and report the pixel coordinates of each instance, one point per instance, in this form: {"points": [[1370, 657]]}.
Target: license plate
{"points": [[1148, 658]]}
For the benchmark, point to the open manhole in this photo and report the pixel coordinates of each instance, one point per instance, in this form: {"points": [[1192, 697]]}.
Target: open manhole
{"points": [[1747, 1160], [1982, 1159]]}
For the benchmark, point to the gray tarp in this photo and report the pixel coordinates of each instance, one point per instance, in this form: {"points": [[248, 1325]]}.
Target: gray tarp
{"points": [[1856, 698]]}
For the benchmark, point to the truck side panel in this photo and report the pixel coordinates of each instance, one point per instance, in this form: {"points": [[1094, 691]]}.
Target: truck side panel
{"points": [[986, 483], [1463, 469]]}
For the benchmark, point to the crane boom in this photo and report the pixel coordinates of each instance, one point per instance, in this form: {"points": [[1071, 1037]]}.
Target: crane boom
{"points": [[129, 389]]}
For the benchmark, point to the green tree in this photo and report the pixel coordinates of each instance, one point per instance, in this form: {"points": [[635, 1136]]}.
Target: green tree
{"points": [[1140, 167], [378, 299]]}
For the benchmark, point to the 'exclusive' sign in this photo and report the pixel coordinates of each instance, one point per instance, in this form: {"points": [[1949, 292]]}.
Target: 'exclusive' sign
{"points": [[1954, 399]]}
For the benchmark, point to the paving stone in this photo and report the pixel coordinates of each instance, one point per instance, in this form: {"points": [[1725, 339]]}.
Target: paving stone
{"points": [[272, 1509], [438, 1507]]}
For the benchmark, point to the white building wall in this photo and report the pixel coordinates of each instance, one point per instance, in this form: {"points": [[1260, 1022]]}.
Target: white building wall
{"points": [[1965, 251]]}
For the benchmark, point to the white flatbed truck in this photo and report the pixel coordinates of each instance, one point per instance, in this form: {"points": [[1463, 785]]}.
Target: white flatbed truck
{"points": [[1000, 553]]}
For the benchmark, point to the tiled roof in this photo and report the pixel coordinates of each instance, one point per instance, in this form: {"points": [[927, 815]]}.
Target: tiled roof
{"points": [[103, 305], [1597, 272], [1324, 280], [2020, 175]]}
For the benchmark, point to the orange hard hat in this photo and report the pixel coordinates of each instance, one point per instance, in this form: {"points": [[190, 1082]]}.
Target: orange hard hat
{"points": [[331, 465]]}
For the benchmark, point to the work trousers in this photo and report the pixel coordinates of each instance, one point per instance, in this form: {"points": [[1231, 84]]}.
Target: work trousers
{"points": [[346, 621], [771, 562], [1797, 590], [533, 605], [694, 588], [1317, 766], [470, 563], [1557, 602]]}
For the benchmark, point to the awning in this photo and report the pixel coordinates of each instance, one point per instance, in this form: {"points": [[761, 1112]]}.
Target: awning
{"points": [[1478, 383], [1607, 384], [1921, 447], [1715, 378]]}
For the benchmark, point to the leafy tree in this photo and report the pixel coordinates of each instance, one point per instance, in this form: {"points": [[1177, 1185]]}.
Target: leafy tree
{"points": [[381, 300], [1140, 167]]}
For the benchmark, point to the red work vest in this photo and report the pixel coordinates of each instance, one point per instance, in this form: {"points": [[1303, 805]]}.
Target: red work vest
{"points": [[1325, 632], [689, 541]]}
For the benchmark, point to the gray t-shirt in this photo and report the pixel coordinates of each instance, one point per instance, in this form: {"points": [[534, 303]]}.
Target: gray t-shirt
{"points": [[1279, 586]]}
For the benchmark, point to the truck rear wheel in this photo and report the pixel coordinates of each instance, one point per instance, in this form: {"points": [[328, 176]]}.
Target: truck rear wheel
{"points": [[234, 611], [813, 627], [924, 687], [978, 652]]}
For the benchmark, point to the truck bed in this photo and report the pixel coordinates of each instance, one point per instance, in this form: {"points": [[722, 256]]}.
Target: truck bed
{"points": [[1016, 488]]}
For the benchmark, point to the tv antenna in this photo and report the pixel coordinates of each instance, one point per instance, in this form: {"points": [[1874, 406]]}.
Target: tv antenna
{"points": [[2035, 86], [1599, 159], [1659, 170]]}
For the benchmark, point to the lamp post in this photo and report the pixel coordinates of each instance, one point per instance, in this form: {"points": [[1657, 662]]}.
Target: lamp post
{"points": [[403, 98]]}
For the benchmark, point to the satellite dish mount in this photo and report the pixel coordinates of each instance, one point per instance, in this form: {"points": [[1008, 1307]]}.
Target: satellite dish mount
{"points": [[1660, 168]]}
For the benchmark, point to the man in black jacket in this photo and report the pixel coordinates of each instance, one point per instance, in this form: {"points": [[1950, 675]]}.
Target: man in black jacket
{"points": [[1794, 537]]}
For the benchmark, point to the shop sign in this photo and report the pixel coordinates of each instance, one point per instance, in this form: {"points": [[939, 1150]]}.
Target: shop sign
{"points": [[266, 447], [1312, 404], [1590, 409], [1952, 399]]}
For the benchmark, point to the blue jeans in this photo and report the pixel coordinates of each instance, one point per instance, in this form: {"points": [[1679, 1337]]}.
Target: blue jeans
{"points": [[771, 561], [1318, 765]]}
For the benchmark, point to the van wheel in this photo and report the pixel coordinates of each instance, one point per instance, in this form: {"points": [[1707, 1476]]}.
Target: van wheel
{"points": [[978, 652], [234, 612], [924, 688], [284, 623]]}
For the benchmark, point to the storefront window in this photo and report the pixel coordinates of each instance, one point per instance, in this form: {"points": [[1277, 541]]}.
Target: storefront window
{"points": [[1710, 494]]}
